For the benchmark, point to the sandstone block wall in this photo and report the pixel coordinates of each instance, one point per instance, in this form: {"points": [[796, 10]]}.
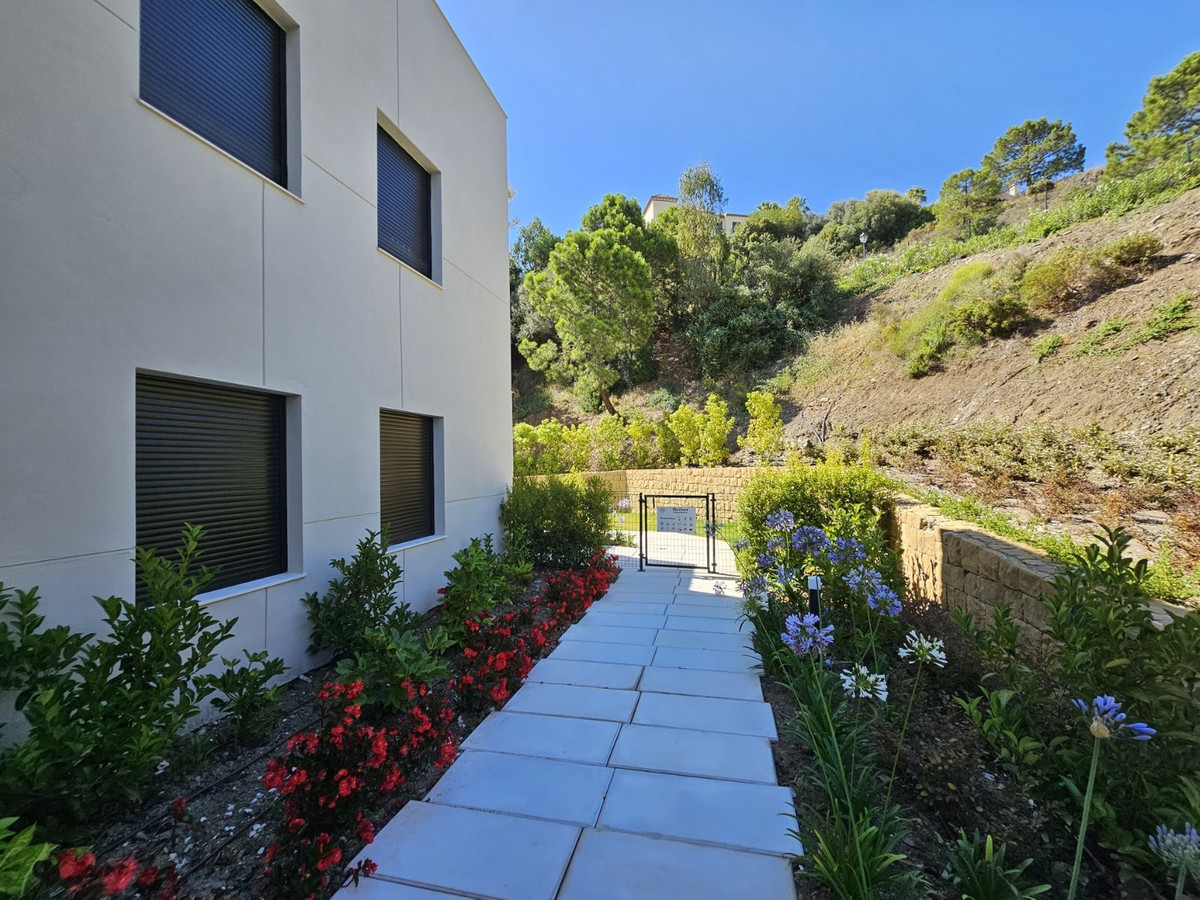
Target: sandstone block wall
{"points": [[726, 483]]}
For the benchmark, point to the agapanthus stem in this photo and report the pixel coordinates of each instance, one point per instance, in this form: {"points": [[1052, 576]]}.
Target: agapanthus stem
{"points": [[1083, 824], [1182, 878], [903, 731]]}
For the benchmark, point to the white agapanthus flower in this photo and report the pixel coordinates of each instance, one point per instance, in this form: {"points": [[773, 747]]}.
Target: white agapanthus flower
{"points": [[920, 649], [859, 682]]}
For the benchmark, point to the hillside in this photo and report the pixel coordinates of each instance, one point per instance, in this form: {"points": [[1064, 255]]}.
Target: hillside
{"points": [[1122, 386]]}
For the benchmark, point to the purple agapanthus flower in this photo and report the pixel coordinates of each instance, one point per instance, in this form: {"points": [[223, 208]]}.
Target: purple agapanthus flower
{"points": [[810, 540], [774, 544], [1105, 719], [780, 520], [766, 561], [847, 549], [880, 597], [805, 634], [740, 545], [784, 574], [756, 586]]}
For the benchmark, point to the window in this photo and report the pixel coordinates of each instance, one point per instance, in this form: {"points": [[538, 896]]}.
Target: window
{"points": [[405, 206], [212, 456], [405, 475], [217, 67]]}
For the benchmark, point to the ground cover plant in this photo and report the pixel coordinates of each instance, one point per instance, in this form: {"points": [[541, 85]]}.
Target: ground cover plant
{"points": [[1072, 769], [281, 811]]}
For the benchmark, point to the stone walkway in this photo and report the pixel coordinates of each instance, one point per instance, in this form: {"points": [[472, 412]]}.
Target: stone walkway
{"points": [[635, 763]]}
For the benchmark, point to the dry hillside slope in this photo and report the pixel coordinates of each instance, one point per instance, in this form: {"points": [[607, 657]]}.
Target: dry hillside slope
{"points": [[1125, 387]]}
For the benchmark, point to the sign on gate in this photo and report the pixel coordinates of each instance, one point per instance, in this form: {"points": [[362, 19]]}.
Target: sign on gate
{"points": [[677, 519]]}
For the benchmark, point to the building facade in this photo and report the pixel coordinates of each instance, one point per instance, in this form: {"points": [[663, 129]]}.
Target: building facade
{"points": [[253, 277], [660, 203]]}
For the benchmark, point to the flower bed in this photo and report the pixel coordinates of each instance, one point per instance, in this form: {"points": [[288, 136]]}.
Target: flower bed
{"points": [[285, 819]]}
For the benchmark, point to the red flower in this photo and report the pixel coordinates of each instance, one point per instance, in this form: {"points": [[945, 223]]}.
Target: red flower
{"points": [[73, 864], [369, 866], [147, 876], [332, 858], [120, 876], [446, 754], [177, 808]]}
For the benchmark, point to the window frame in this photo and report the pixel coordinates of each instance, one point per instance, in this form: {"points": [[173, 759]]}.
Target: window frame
{"points": [[405, 154], [430, 439]]}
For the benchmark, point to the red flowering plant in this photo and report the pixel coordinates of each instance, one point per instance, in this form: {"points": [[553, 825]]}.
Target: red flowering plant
{"points": [[82, 876], [334, 779]]}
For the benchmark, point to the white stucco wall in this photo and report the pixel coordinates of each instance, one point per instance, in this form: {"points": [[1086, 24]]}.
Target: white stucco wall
{"points": [[130, 244]]}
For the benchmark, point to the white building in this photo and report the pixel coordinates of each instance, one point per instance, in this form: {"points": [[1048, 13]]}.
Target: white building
{"points": [[660, 203], [253, 276]]}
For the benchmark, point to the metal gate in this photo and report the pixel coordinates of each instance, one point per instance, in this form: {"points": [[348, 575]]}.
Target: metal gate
{"points": [[677, 531]]}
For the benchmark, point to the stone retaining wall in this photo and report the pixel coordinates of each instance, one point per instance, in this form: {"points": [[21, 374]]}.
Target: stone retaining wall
{"points": [[953, 563], [726, 483]]}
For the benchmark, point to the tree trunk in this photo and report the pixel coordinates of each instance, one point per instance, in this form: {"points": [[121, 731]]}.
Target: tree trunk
{"points": [[607, 401]]}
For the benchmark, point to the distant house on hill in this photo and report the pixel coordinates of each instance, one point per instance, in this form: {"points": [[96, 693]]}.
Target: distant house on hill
{"points": [[660, 203]]}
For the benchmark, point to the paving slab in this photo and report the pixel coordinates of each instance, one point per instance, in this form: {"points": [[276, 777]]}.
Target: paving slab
{"points": [[705, 640], [473, 852], [552, 737], [622, 620], [585, 672], [698, 599], [611, 865], [634, 609], [580, 702], [706, 714], [697, 683], [682, 751], [641, 595], [709, 585], [540, 788], [710, 612], [632, 654], [698, 623], [646, 584], [714, 660], [728, 813], [608, 634], [379, 889]]}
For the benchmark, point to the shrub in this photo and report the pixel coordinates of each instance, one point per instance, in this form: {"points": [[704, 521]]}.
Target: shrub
{"points": [[32, 656], [644, 452], [977, 869], [1048, 346], [551, 448], [97, 730], [482, 580], [812, 493], [609, 439], [1172, 316], [558, 522], [389, 665], [714, 436], [1070, 276], [1134, 251], [361, 598], [1096, 342], [687, 425], [665, 400], [764, 434], [245, 693], [19, 856], [669, 448]]}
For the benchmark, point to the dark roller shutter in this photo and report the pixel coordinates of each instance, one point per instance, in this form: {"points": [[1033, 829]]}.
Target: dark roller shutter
{"points": [[214, 457], [405, 228], [217, 66], [405, 475]]}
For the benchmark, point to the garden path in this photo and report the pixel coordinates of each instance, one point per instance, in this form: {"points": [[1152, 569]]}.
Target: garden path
{"points": [[634, 763]]}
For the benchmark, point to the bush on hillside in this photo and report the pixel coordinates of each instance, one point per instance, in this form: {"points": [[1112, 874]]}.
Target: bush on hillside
{"points": [[1065, 278], [764, 434], [557, 522], [1134, 252]]}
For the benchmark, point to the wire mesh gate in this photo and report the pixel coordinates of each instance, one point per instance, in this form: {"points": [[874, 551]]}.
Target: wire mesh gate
{"points": [[677, 531]]}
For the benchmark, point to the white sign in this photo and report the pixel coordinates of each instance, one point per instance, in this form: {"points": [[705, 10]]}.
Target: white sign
{"points": [[677, 519]]}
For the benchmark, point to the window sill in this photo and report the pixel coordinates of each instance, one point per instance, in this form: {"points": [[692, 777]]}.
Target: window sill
{"points": [[402, 264], [249, 587], [225, 153], [417, 542]]}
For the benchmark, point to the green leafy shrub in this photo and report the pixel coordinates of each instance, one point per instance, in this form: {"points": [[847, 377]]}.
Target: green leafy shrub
{"points": [[1064, 278], [687, 426], [935, 342], [245, 693], [670, 451], [1134, 251], [558, 522], [32, 656], [360, 598], [1097, 341], [391, 665], [1048, 346], [97, 731], [551, 448], [482, 580], [644, 451], [19, 856], [714, 435], [976, 868], [665, 400], [812, 493], [609, 438], [764, 434]]}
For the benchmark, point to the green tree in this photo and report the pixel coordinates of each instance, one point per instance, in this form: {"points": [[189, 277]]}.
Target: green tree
{"points": [[1167, 122], [792, 220], [969, 203], [696, 222], [1034, 151], [764, 435], [599, 293], [530, 253], [714, 434], [885, 217]]}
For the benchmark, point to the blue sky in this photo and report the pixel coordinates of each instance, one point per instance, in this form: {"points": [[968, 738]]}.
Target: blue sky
{"points": [[783, 97]]}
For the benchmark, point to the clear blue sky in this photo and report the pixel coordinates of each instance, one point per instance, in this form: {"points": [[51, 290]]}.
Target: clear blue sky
{"points": [[782, 97]]}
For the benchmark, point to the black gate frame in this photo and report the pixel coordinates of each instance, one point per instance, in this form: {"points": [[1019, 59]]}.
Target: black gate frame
{"points": [[710, 531]]}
